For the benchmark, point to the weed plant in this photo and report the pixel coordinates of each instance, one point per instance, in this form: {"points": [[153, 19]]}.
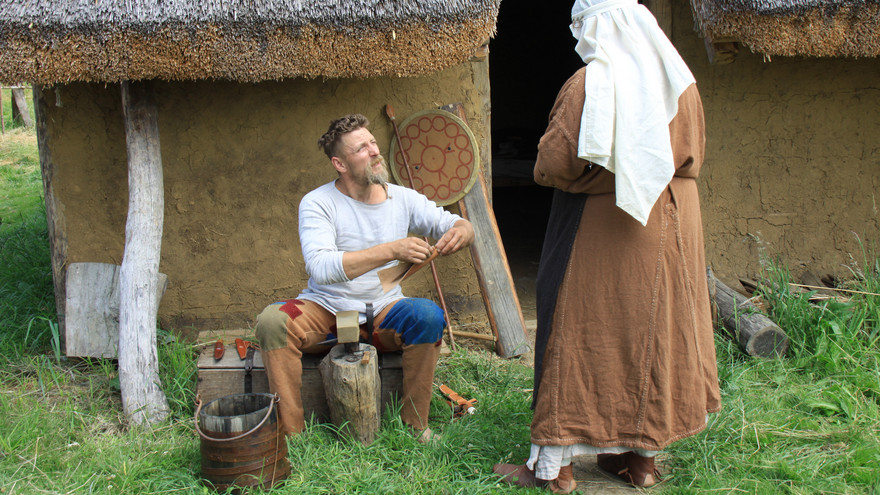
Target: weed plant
{"points": [[834, 342], [806, 423]]}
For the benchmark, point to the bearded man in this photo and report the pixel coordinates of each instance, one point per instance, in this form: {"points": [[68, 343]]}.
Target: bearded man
{"points": [[349, 229]]}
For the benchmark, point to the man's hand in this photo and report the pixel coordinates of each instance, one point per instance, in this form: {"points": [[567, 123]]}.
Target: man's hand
{"points": [[411, 249], [407, 250], [460, 235]]}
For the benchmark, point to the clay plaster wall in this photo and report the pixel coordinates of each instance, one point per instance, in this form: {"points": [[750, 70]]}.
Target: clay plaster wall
{"points": [[792, 159], [237, 159]]}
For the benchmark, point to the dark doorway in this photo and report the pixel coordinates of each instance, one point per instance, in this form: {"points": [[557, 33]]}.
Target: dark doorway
{"points": [[530, 58]]}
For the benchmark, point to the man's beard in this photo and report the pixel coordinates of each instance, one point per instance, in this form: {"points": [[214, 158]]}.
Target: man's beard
{"points": [[380, 177]]}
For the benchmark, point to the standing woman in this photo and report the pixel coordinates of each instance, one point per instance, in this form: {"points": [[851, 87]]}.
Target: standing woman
{"points": [[625, 356]]}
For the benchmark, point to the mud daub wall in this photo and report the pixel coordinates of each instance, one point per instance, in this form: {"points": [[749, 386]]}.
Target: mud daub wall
{"points": [[237, 160], [793, 157]]}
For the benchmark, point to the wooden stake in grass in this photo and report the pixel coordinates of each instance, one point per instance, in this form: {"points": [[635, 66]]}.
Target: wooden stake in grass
{"points": [[143, 400], [2, 122]]}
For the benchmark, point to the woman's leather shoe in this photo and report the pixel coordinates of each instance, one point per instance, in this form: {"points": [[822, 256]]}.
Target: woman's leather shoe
{"points": [[564, 482], [521, 475], [631, 468], [518, 474]]}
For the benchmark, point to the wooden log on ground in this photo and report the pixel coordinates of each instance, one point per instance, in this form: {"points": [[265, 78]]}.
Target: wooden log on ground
{"points": [[143, 400], [756, 334], [353, 390]]}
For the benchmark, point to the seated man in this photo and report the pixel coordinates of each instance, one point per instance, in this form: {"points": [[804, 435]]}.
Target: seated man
{"points": [[350, 229]]}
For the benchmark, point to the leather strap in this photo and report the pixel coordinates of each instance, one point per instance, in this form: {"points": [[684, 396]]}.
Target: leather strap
{"points": [[369, 313], [248, 366]]}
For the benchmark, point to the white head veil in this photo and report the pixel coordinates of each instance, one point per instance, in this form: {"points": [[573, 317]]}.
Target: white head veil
{"points": [[633, 80]]}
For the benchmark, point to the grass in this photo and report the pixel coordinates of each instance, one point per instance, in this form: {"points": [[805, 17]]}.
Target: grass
{"points": [[20, 184], [27, 304], [809, 423]]}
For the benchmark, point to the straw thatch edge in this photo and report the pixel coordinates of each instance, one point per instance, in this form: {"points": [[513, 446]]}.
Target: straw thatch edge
{"points": [[245, 55], [847, 31]]}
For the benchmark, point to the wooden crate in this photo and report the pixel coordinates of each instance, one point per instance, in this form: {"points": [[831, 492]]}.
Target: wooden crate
{"points": [[226, 377]]}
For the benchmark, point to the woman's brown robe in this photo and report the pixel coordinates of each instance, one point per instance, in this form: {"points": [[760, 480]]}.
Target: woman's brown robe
{"points": [[625, 353]]}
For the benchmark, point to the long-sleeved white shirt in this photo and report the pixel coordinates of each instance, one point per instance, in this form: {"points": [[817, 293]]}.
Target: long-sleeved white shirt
{"points": [[331, 223]]}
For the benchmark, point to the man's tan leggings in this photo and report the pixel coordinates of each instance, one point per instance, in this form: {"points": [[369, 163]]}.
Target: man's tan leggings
{"points": [[288, 330]]}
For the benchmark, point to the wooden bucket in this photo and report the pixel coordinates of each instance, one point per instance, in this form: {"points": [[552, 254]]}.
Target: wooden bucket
{"points": [[242, 443]]}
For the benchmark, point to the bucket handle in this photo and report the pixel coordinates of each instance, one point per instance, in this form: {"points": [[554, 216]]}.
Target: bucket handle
{"points": [[275, 399]]}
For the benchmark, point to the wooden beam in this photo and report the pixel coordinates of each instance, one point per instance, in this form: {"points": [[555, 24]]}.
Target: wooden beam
{"points": [[55, 221], [493, 273], [484, 116], [721, 52], [142, 398]]}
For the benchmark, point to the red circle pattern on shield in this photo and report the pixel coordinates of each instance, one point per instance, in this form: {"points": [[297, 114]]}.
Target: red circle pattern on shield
{"points": [[442, 154]]}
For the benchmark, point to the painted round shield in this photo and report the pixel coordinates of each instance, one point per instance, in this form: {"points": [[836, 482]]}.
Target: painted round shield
{"points": [[442, 154]]}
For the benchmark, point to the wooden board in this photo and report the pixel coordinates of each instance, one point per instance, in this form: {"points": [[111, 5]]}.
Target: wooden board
{"points": [[226, 377], [92, 309], [493, 273], [490, 261]]}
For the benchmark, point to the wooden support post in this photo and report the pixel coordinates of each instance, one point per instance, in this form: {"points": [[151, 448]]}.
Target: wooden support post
{"points": [[353, 390], [55, 219], [756, 334], [722, 51], [142, 398], [20, 110]]}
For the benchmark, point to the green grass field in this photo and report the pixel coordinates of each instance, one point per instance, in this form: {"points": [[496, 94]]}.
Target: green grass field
{"points": [[809, 423]]}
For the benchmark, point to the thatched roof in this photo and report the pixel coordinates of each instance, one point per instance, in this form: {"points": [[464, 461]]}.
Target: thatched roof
{"points": [[817, 28], [50, 41]]}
